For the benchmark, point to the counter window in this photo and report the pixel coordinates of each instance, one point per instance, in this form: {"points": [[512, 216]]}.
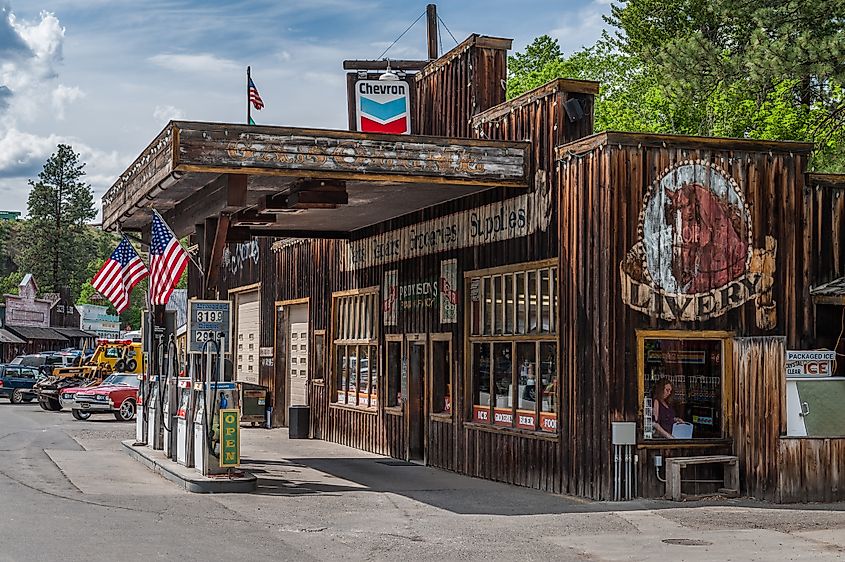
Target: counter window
{"points": [[682, 386], [355, 348], [514, 351]]}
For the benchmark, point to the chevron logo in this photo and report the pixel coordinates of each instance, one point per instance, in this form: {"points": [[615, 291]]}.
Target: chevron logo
{"points": [[382, 107]]}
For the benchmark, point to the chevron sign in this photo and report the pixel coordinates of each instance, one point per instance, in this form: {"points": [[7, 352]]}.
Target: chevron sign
{"points": [[382, 107]]}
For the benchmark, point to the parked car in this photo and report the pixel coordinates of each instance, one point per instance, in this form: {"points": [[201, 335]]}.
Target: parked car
{"points": [[118, 395], [46, 361], [16, 382]]}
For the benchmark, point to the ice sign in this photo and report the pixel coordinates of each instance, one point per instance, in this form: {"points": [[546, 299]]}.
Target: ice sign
{"points": [[209, 321]]}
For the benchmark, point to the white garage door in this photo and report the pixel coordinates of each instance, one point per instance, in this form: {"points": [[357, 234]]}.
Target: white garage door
{"points": [[298, 365], [247, 342]]}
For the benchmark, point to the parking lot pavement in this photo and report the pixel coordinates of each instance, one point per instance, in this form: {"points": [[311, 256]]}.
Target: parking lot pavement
{"points": [[319, 500]]}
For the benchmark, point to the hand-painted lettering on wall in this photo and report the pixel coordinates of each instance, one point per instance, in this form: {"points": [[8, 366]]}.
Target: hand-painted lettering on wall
{"points": [[694, 259], [235, 259]]}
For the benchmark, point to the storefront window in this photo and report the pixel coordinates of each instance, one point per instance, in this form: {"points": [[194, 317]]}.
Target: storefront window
{"points": [[514, 370], [394, 373], [356, 348], [682, 387], [319, 356], [441, 375]]}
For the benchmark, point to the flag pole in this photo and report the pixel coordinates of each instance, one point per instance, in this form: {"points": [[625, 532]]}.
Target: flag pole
{"points": [[248, 108]]}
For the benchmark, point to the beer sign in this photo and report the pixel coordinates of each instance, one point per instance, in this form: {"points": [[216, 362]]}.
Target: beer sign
{"points": [[382, 106]]}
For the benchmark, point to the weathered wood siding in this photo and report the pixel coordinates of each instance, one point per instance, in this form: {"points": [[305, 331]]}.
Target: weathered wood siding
{"points": [[465, 81], [812, 470], [759, 372], [603, 182]]}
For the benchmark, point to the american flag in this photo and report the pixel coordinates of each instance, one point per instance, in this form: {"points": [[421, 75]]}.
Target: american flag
{"points": [[254, 96], [121, 272], [168, 260]]}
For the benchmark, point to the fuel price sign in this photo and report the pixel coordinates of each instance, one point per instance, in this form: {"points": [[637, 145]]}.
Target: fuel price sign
{"points": [[209, 321]]}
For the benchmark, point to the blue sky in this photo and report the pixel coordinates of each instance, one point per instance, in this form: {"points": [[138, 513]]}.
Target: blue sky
{"points": [[106, 75]]}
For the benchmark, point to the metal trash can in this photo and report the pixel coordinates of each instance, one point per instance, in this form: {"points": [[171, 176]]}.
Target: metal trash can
{"points": [[299, 421]]}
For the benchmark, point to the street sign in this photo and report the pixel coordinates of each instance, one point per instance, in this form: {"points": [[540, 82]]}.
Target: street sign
{"points": [[230, 441], [382, 106], [209, 321], [809, 363]]}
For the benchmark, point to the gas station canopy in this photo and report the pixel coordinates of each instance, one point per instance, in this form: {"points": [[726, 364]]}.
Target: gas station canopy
{"points": [[282, 181]]}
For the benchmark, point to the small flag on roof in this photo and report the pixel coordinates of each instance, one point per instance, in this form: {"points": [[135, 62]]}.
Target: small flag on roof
{"points": [[254, 96]]}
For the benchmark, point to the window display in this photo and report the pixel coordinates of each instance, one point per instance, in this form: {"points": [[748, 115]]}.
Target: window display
{"points": [[682, 387], [356, 349], [513, 357]]}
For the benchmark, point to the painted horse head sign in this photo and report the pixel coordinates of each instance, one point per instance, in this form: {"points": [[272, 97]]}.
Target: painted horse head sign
{"points": [[694, 258]]}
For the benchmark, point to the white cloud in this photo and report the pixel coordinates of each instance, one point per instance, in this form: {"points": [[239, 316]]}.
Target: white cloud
{"points": [[64, 95], [200, 63], [44, 37], [165, 113], [582, 29]]}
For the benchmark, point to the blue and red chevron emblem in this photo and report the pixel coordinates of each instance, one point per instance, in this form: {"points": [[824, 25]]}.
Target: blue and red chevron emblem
{"points": [[382, 107]]}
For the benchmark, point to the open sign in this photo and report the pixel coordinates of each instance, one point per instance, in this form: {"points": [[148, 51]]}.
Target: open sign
{"points": [[809, 363]]}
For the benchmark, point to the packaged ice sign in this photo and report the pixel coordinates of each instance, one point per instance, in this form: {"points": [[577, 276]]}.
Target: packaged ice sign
{"points": [[809, 363], [382, 106]]}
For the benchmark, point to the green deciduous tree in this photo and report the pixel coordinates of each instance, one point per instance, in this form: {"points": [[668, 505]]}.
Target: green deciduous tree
{"points": [[56, 242]]}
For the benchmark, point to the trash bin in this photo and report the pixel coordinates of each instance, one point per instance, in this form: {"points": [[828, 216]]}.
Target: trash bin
{"points": [[299, 421]]}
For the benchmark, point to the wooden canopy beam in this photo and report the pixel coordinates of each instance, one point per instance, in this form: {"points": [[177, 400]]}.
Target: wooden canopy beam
{"points": [[217, 246]]}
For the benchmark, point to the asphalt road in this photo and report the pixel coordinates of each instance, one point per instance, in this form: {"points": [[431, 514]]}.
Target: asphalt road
{"points": [[69, 492]]}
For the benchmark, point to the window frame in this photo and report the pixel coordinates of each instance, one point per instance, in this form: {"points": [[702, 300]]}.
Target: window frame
{"points": [[356, 332], [432, 339], [726, 339], [395, 339], [534, 336]]}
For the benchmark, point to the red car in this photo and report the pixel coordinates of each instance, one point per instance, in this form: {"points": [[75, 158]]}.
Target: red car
{"points": [[118, 395]]}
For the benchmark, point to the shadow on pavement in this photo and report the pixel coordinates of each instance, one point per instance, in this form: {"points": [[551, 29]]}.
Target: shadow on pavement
{"points": [[450, 491]]}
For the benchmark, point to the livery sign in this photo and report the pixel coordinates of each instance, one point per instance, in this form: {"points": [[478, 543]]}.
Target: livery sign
{"points": [[383, 106], [694, 259]]}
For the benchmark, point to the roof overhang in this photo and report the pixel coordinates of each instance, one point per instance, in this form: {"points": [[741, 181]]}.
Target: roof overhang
{"points": [[287, 181]]}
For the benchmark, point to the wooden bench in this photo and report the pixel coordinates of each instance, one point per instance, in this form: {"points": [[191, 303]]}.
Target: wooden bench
{"points": [[675, 464]]}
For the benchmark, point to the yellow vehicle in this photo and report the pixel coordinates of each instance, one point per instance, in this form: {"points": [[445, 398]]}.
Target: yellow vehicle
{"points": [[121, 356]]}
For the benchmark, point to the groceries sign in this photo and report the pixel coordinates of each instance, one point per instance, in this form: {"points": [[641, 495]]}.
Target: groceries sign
{"points": [[383, 106]]}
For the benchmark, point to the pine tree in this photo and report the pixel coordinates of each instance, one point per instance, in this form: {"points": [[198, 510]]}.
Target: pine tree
{"points": [[57, 244]]}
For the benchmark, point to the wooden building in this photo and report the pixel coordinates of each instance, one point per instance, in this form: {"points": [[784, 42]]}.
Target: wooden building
{"points": [[490, 295]]}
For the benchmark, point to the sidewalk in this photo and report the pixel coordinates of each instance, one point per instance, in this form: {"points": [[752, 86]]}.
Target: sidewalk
{"points": [[345, 503]]}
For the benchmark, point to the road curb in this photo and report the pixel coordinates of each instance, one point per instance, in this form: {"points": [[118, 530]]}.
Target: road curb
{"points": [[189, 478]]}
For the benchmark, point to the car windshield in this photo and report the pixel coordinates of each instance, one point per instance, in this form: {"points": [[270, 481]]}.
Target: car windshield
{"points": [[17, 360], [128, 380]]}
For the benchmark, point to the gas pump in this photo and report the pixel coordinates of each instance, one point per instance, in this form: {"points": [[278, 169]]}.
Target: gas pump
{"points": [[154, 430], [141, 415], [185, 423], [170, 399], [211, 395]]}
